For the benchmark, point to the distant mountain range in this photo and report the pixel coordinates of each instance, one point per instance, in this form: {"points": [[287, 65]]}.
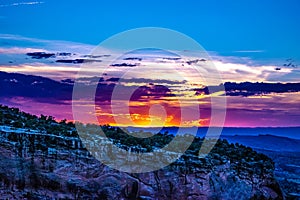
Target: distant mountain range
{"points": [[266, 142]]}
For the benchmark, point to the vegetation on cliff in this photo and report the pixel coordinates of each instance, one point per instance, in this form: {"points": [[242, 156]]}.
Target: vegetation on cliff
{"points": [[43, 157]]}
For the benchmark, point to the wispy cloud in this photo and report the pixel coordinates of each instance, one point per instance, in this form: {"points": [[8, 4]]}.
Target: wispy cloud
{"points": [[231, 68], [249, 51], [18, 41], [40, 69], [21, 3], [17, 50]]}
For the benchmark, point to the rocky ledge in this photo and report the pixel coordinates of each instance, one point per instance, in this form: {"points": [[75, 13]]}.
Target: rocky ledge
{"points": [[44, 159]]}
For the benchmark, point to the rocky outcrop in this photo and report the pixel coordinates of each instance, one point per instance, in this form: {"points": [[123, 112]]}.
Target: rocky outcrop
{"points": [[36, 164]]}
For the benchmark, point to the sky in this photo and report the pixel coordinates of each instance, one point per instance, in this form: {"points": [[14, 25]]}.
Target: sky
{"points": [[245, 40], [262, 29]]}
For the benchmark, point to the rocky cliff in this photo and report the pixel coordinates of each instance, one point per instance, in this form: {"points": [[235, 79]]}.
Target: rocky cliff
{"points": [[44, 159]]}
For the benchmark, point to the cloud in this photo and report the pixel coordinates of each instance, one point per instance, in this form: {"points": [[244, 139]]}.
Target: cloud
{"points": [[249, 51], [77, 61], [21, 4], [239, 72], [124, 65], [293, 76], [40, 55], [247, 89], [146, 64], [18, 50], [275, 110], [133, 58], [18, 41], [39, 88], [160, 79], [59, 111], [40, 69], [260, 110]]}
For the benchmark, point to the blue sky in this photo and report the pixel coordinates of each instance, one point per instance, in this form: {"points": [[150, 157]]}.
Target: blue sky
{"points": [[265, 30]]}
